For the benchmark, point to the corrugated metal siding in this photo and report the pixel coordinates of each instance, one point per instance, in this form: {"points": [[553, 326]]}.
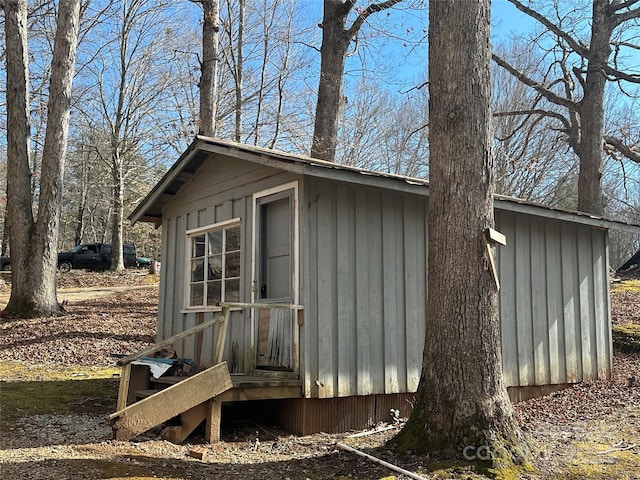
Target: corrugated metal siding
{"points": [[220, 191], [554, 306], [366, 290], [305, 416]]}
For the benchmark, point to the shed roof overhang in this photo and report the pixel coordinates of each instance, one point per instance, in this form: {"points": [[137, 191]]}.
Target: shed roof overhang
{"points": [[152, 206]]}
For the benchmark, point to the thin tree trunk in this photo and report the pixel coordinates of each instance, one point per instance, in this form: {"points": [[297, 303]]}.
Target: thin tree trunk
{"points": [[34, 264], [209, 66], [117, 216], [239, 71], [462, 400]]}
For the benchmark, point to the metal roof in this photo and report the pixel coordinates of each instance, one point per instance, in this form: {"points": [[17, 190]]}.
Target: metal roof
{"points": [[151, 208]]}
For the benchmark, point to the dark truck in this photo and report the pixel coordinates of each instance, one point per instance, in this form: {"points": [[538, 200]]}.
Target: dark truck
{"points": [[94, 256]]}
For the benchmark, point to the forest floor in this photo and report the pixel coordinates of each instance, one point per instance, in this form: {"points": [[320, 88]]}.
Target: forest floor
{"points": [[58, 386]]}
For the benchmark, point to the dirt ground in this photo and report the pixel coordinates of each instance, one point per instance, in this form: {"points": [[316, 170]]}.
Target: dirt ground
{"points": [[58, 385]]}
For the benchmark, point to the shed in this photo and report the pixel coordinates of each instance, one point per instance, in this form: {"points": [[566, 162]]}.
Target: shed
{"points": [[244, 227]]}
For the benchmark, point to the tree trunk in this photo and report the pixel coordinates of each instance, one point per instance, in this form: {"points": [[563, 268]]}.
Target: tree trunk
{"points": [[239, 71], [461, 400], [34, 262], [333, 52], [117, 216], [209, 67], [590, 194]]}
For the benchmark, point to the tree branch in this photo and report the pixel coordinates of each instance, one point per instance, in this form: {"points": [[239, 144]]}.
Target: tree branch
{"points": [[618, 75], [545, 113], [545, 92], [577, 47], [367, 12], [629, 152], [623, 17]]}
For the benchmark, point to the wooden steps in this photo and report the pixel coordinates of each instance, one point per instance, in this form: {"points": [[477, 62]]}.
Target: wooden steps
{"points": [[192, 399]]}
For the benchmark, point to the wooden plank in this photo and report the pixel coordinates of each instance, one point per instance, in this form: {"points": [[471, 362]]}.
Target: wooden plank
{"points": [[310, 330], [362, 313], [569, 300], [376, 289], [326, 290], [601, 299], [346, 293], [554, 302], [170, 402], [524, 321], [222, 336], [586, 305], [123, 390], [507, 300], [169, 341], [189, 422], [213, 421], [390, 248], [415, 267], [540, 327]]}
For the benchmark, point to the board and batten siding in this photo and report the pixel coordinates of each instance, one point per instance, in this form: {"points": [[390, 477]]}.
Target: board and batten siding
{"points": [[554, 301], [222, 189], [365, 290]]}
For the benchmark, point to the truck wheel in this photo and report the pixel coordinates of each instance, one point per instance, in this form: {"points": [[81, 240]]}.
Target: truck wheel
{"points": [[64, 267]]}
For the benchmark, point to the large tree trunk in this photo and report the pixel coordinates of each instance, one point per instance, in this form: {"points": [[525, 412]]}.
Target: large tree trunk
{"points": [[461, 400], [590, 194], [35, 243], [209, 66]]}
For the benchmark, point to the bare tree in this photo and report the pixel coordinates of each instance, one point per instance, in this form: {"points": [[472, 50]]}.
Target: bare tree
{"points": [[34, 263], [209, 66], [461, 398], [123, 92], [336, 38], [582, 68]]}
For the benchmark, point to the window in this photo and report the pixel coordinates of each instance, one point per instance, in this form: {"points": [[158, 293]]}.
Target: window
{"points": [[215, 265]]}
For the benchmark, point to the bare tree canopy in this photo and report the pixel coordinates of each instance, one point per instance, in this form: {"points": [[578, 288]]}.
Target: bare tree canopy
{"points": [[573, 86]]}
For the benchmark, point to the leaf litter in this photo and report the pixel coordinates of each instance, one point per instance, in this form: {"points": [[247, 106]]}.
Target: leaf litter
{"points": [[590, 430]]}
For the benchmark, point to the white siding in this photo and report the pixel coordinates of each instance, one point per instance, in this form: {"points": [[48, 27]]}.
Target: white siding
{"points": [[366, 290], [554, 301]]}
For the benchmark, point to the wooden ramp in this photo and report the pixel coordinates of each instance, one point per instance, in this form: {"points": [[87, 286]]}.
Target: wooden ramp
{"points": [[193, 399]]}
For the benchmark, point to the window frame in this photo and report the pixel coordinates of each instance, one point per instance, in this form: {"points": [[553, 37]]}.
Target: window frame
{"points": [[207, 253]]}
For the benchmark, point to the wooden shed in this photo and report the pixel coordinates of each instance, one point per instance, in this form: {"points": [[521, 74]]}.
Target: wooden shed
{"points": [[247, 230]]}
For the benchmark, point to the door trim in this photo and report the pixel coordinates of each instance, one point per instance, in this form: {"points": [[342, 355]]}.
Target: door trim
{"points": [[295, 293]]}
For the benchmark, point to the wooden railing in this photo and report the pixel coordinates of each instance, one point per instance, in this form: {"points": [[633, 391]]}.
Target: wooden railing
{"points": [[222, 318]]}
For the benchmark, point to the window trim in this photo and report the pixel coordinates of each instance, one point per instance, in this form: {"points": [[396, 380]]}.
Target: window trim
{"points": [[223, 225]]}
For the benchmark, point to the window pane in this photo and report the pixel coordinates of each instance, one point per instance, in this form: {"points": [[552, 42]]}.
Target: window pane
{"points": [[197, 270], [215, 267], [233, 239], [232, 290], [197, 291], [215, 242], [198, 246], [214, 294], [232, 265]]}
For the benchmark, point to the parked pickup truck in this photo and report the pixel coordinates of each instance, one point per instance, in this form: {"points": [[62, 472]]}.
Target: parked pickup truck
{"points": [[94, 256], [5, 263]]}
